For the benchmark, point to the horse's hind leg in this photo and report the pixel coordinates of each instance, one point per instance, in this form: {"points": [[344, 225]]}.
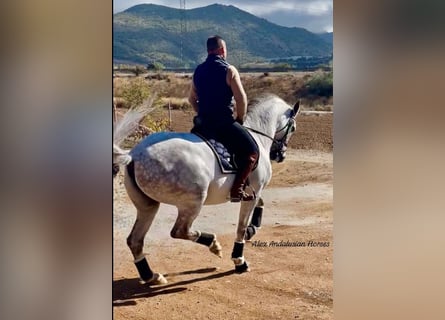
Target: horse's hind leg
{"points": [[146, 211], [182, 229]]}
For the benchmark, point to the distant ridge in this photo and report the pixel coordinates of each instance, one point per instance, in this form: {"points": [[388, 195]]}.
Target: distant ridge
{"points": [[147, 32], [327, 36]]}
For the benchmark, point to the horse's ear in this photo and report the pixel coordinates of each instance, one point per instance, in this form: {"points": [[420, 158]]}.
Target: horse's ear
{"points": [[296, 107]]}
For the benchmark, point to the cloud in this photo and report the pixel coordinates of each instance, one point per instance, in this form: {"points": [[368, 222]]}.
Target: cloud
{"points": [[310, 8], [314, 15], [322, 23]]}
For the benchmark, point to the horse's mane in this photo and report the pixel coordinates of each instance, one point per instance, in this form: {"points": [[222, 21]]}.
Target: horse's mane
{"points": [[262, 105], [254, 102], [259, 109], [261, 101]]}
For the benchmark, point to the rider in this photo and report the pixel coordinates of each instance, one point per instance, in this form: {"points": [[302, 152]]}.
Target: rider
{"points": [[215, 83]]}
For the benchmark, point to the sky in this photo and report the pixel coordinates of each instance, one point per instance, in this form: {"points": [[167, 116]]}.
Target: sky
{"points": [[313, 15]]}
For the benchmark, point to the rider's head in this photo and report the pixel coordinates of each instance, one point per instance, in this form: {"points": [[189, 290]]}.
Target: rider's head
{"points": [[216, 45]]}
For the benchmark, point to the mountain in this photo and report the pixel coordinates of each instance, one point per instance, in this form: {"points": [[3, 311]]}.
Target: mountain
{"points": [[147, 33], [327, 36]]}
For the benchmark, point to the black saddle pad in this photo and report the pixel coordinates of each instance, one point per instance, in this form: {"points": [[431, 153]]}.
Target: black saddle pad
{"points": [[224, 158]]}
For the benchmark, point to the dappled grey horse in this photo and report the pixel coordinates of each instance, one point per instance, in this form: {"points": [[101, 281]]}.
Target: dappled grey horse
{"points": [[181, 170]]}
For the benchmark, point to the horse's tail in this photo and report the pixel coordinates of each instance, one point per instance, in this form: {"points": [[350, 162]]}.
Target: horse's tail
{"points": [[120, 158], [123, 127]]}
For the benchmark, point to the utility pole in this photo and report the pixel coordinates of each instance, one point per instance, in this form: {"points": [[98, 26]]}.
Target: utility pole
{"points": [[183, 29]]}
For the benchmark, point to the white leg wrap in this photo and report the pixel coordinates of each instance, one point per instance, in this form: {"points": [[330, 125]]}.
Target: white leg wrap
{"points": [[140, 258], [216, 248], [157, 279], [197, 235], [238, 261]]}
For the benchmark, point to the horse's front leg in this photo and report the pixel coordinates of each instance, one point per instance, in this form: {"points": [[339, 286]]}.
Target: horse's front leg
{"points": [[238, 247], [255, 221], [182, 228]]}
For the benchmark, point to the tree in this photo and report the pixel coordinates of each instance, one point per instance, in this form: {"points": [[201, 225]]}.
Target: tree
{"points": [[139, 70], [155, 66]]}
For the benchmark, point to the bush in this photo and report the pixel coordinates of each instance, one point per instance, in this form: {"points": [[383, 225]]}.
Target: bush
{"points": [[156, 125], [139, 70], [156, 66], [320, 84], [135, 92]]}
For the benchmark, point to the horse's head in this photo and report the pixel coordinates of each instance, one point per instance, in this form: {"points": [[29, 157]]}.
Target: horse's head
{"points": [[285, 127]]}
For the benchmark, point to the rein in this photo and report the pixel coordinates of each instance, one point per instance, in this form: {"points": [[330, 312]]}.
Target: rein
{"points": [[278, 153], [261, 133], [286, 127]]}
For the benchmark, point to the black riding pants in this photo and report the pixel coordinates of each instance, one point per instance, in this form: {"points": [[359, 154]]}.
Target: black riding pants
{"points": [[234, 137]]}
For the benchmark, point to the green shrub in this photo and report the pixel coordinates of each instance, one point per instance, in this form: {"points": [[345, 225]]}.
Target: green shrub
{"points": [[156, 66], [320, 84], [135, 92]]}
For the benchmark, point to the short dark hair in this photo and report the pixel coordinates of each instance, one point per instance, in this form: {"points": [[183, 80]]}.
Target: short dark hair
{"points": [[214, 42]]}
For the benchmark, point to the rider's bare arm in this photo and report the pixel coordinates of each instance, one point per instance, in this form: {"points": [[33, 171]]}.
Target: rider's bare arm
{"points": [[193, 97], [234, 81]]}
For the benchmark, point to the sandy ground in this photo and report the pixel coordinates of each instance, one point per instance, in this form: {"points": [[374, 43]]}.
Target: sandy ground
{"points": [[314, 130], [287, 282]]}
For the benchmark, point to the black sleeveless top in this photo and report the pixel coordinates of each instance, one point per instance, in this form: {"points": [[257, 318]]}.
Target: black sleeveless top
{"points": [[214, 95]]}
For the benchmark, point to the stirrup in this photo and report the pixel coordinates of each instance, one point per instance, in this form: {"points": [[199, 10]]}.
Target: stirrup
{"points": [[243, 196]]}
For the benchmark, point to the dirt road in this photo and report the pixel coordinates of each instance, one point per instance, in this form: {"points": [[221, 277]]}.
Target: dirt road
{"points": [[285, 282]]}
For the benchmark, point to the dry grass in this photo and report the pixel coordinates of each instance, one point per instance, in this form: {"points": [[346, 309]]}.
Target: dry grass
{"points": [[283, 85], [172, 91], [175, 103], [119, 84], [174, 88], [321, 107]]}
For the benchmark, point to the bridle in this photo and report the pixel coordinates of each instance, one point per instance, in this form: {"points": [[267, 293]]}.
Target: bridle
{"points": [[278, 153], [287, 127]]}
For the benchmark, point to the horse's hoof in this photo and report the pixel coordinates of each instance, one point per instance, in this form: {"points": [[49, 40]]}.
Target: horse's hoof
{"points": [[157, 279], [216, 248], [242, 268]]}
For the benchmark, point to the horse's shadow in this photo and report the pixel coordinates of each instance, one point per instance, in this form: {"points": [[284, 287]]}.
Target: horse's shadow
{"points": [[126, 290]]}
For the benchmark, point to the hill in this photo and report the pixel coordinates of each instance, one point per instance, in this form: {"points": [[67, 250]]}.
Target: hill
{"points": [[327, 36], [146, 33]]}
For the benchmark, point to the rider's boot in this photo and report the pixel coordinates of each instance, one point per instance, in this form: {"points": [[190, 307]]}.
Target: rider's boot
{"points": [[237, 193]]}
